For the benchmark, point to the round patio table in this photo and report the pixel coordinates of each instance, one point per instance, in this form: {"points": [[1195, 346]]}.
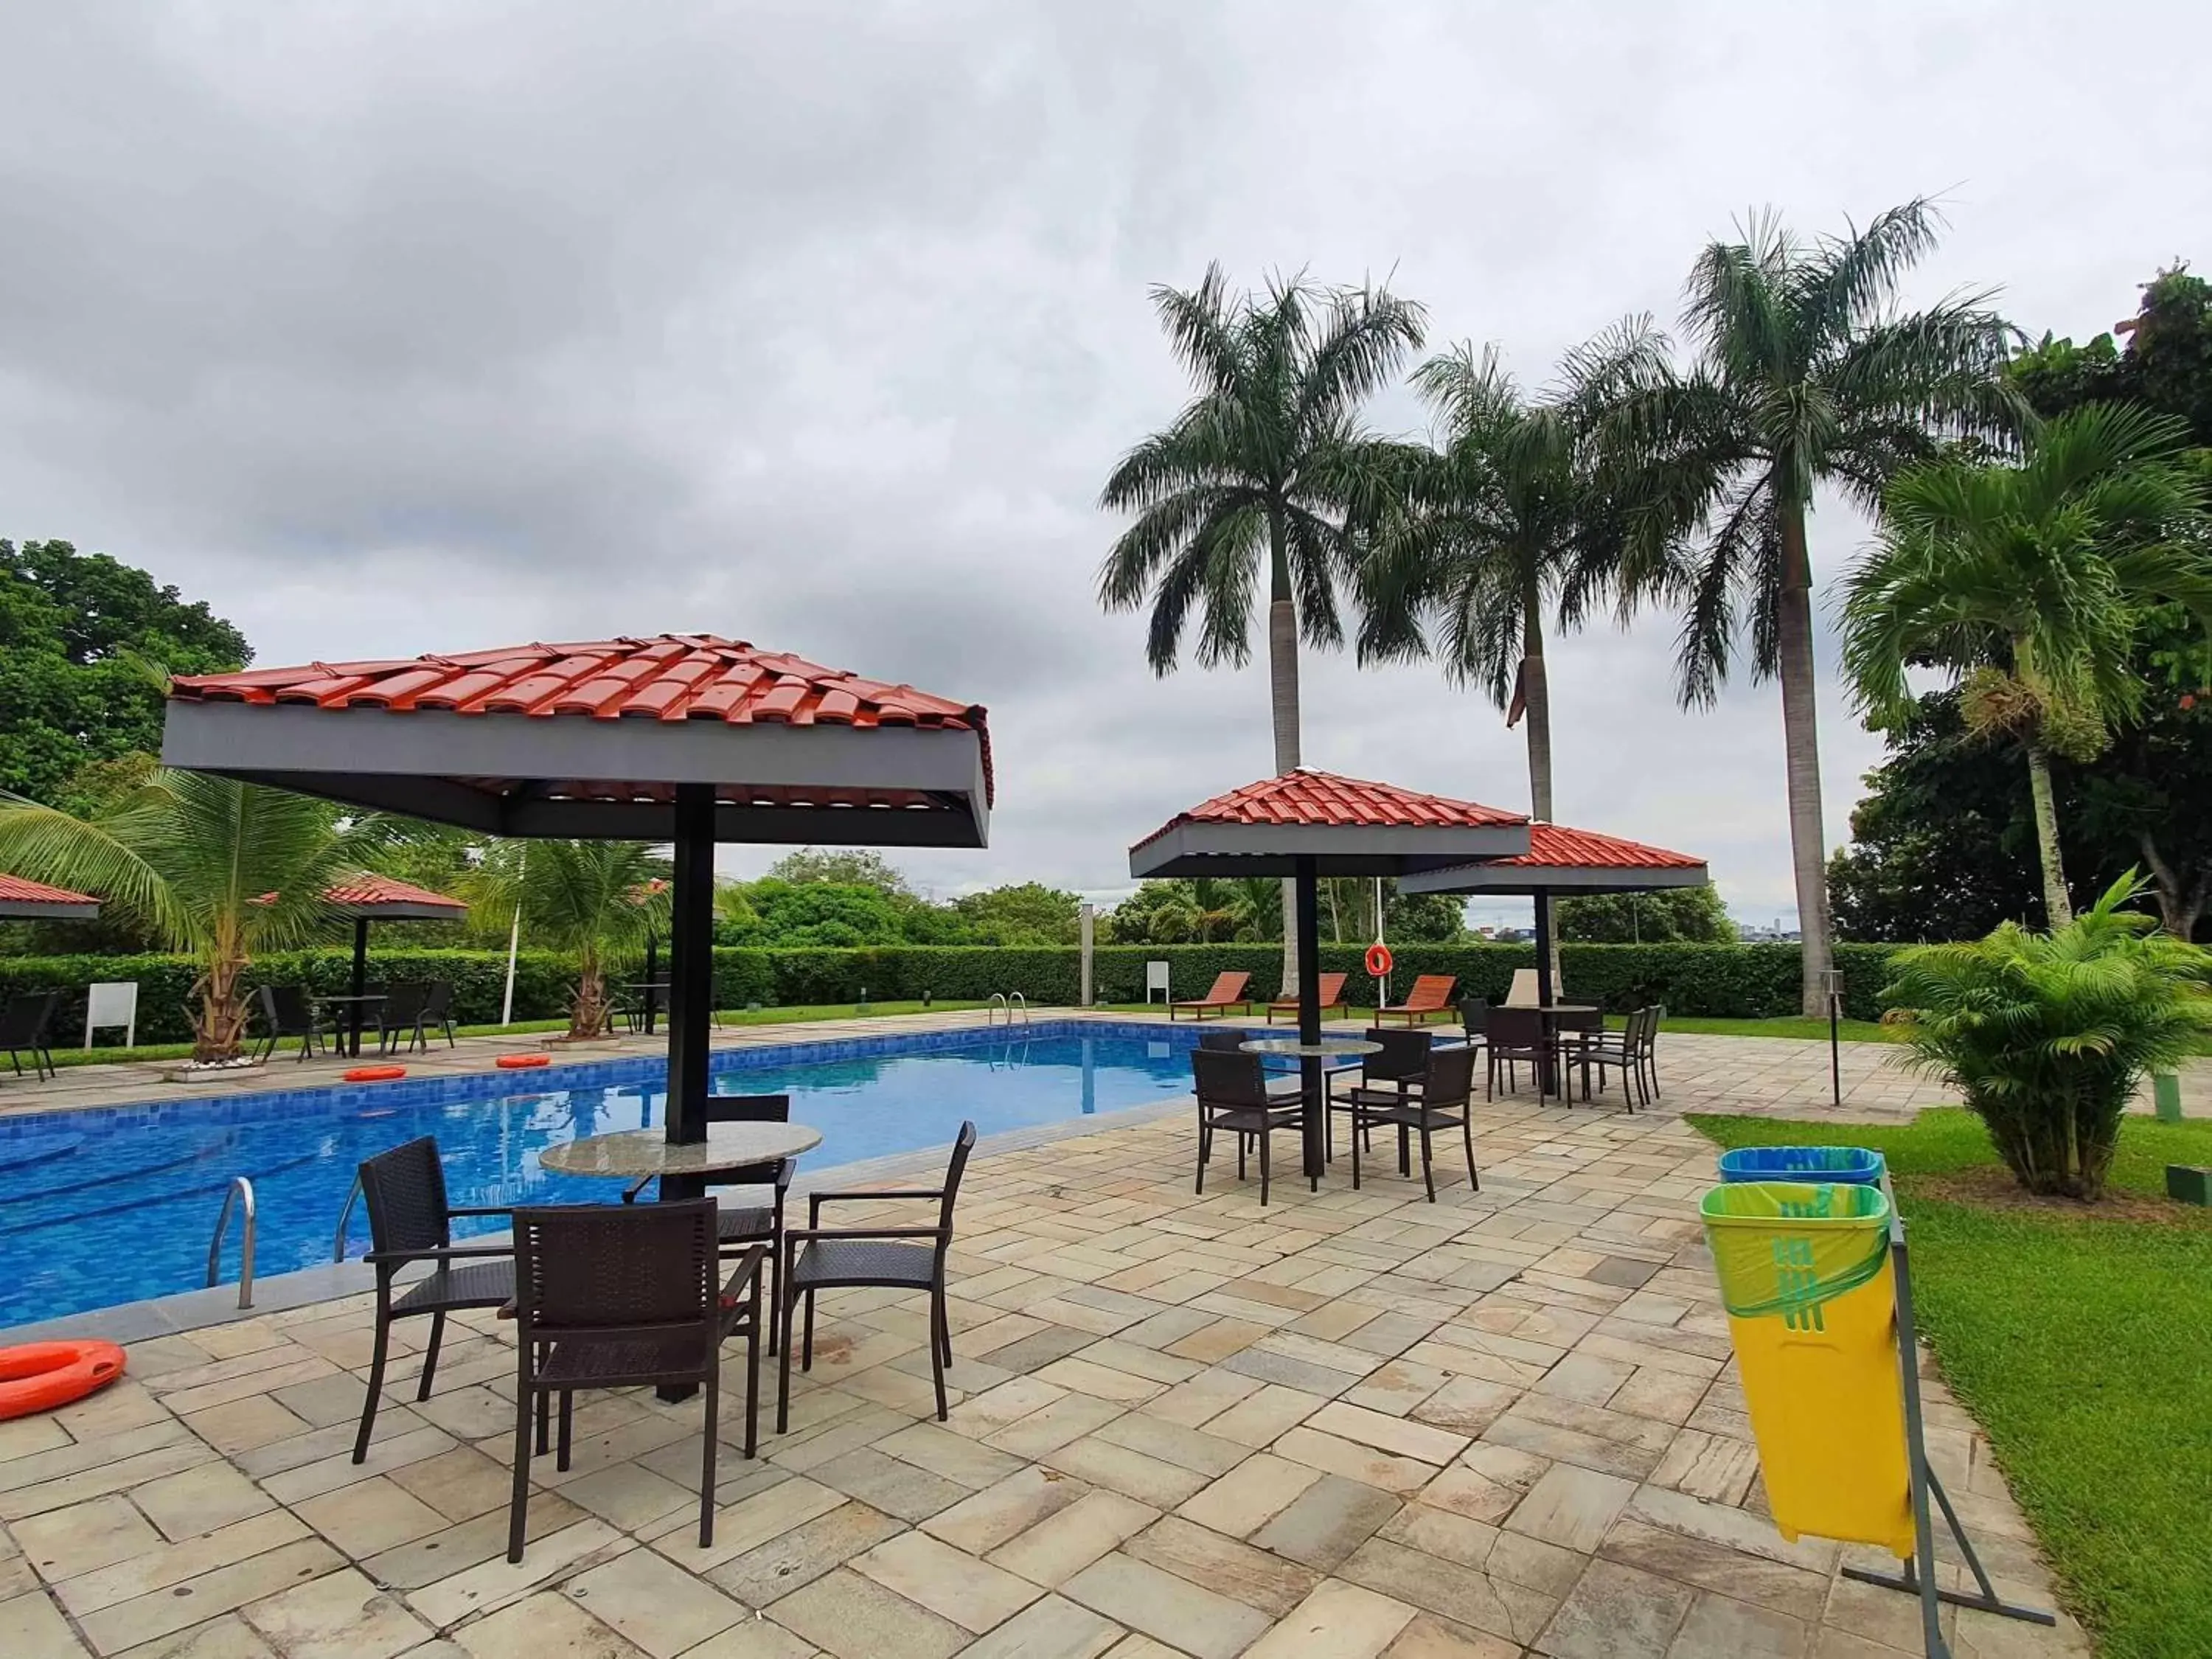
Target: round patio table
{"points": [[1310, 1082], [627, 1154]]}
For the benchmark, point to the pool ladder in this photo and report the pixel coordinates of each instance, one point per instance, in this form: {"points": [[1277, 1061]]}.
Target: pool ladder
{"points": [[1002, 1002], [240, 1196]]}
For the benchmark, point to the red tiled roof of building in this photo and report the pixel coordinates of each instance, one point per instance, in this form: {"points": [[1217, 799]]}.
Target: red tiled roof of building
{"points": [[1554, 846], [670, 676], [1310, 797], [367, 890], [20, 889]]}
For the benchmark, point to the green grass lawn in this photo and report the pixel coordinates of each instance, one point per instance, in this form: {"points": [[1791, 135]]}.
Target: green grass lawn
{"points": [[2081, 1348]]}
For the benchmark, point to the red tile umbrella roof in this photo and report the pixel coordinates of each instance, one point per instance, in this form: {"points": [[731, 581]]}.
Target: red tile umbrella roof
{"points": [[670, 676], [20, 890], [1324, 799], [366, 893], [1553, 846]]}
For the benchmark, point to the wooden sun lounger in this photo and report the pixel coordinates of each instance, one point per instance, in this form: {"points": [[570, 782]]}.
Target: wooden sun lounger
{"points": [[1228, 991], [1431, 995], [1332, 996]]}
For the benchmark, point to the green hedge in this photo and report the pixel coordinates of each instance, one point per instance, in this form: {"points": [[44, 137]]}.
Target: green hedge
{"points": [[1719, 980]]}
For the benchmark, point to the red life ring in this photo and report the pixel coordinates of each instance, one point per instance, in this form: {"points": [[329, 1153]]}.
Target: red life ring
{"points": [[40, 1376], [1378, 959], [375, 1073], [522, 1062]]}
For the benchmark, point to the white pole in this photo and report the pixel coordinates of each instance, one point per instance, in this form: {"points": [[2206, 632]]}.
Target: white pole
{"points": [[513, 939], [1089, 915]]}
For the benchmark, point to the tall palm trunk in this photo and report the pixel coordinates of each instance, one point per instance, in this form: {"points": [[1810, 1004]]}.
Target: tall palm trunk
{"points": [[1800, 740], [1536, 697], [2056, 906], [1282, 691]]}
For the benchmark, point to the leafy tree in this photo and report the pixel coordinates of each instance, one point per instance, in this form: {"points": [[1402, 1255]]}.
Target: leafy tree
{"points": [[2166, 366], [838, 915], [846, 867], [2031, 583], [1805, 375], [596, 898], [1691, 915], [1029, 914], [2049, 1036], [1267, 471], [72, 626], [192, 858]]}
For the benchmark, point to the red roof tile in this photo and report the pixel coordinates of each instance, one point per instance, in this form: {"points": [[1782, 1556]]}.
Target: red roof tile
{"points": [[1554, 846], [367, 890], [1310, 797], [672, 676], [20, 889]]}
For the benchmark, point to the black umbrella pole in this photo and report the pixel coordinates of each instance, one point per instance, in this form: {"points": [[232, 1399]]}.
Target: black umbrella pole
{"points": [[1546, 992], [691, 965], [1308, 927], [360, 982]]}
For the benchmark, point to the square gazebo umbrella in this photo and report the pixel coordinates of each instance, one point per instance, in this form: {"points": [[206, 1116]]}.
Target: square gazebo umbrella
{"points": [[1560, 863], [23, 900], [368, 898], [1307, 824], [687, 738]]}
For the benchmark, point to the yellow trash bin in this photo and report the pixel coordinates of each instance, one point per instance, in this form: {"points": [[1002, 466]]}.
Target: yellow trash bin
{"points": [[1805, 1274]]}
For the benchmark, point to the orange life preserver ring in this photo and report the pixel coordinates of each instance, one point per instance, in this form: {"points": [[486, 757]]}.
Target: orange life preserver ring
{"points": [[40, 1376], [375, 1073], [1378, 959], [521, 1062]]}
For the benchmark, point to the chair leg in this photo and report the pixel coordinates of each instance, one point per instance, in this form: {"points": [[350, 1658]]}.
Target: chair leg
{"points": [[1405, 1153], [1355, 1149], [1242, 1137], [937, 1352], [1466, 1133], [518, 1509], [783, 1367], [1263, 1167], [430, 1355], [775, 1290], [377, 1355], [568, 1414], [807, 1354], [1428, 1180], [545, 1416], [712, 1419], [1204, 1151], [752, 1383]]}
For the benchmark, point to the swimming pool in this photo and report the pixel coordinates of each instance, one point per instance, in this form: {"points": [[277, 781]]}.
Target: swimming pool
{"points": [[116, 1204]]}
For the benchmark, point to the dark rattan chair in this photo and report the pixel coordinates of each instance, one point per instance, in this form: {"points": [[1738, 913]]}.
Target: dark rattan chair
{"points": [[889, 1258], [1398, 1065], [436, 1013], [409, 1222], [1442, 1100], [23, 1025], [1232, 1043], [286, 1010], [399, 1016], [1623, 1050], [742, 1224], [1513, 1036], [1232, 1095], [611, 1296]]}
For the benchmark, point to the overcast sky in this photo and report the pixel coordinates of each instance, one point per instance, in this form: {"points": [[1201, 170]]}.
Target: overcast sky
{"points": [[393, 327]]}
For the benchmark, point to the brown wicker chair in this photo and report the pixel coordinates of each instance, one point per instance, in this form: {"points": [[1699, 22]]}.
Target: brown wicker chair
{"points": [[609, 1296], [409, 1222], [1233, 1095], [1396, 1066], [1514, 1035], [885, 1258], [742, 1225], [23, 1025], [1442, 1098]]}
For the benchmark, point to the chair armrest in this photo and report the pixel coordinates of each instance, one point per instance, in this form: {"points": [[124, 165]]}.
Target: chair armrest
{"points": [[490, 1209], [450, 1253], [933, 1234], [743, 1283], [816, 1200], [784, 1171]]}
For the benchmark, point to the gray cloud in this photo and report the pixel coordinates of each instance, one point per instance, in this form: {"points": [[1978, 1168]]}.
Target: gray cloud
{"points": [[401, 327]]}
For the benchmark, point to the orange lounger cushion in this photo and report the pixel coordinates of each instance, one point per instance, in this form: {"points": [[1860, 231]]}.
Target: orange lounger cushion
{"points": [[522, 1062], [375, 1073], [37, 1376]]}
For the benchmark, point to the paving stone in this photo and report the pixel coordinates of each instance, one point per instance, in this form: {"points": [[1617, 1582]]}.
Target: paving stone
{"points": [[986, 1413], [340, 1615], [65, 1543], [1250, 1495], [795, 1558], [1447, 1536], [1615, 1612], [1707, 1467], [374, 1515], [158, 1569], [1265, 1415], [1302, 1375], [856, 1618], [630, 1495], [1355, 1462], [982, 1521], [1626, 1272], [545, 1624], [1572, 1507], [889, 1484], [1718, 1628], [1067, 1419], [1222, 1564], [32, 1627], [441, 1554], [1102, 1463], [1042, 1348], [1167, 1608], [1586, 1377], [1217, 1340], [228, 1637], [1690, 1560], [1337, 1621], [1430, 1637], [949, 1583], [953, 1457], [653, 1603], [1052, 1628], [1464, 1596], [1171, 1443], [1389, 1434], [220, 1589], [460, 1484], [1060, 1546], [495, 1582], [754, 1639], [1327, 1522], [749, 1523]]}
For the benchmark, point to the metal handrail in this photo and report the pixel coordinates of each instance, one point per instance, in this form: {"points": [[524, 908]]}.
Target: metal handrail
{"points": [[240, 1187], [337, 1240], [991, 1010], [1017, 1000]]}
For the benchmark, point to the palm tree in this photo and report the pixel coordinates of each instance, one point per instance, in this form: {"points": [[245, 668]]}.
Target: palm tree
{"points": [[2029, 583], [1268, 469], [593, 897], [1806, 375], [218, 868]]}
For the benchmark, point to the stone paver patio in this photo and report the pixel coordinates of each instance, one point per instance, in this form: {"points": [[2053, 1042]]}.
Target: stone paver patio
{"points": [[1353, 1424]]}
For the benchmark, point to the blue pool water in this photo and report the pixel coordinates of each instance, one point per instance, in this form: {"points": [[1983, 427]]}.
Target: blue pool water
{"points": [[114, 1205]]}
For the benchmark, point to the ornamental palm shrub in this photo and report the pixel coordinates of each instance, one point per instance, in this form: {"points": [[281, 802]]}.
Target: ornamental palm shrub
{"points": [[592, 899], [2048, 1035]]}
